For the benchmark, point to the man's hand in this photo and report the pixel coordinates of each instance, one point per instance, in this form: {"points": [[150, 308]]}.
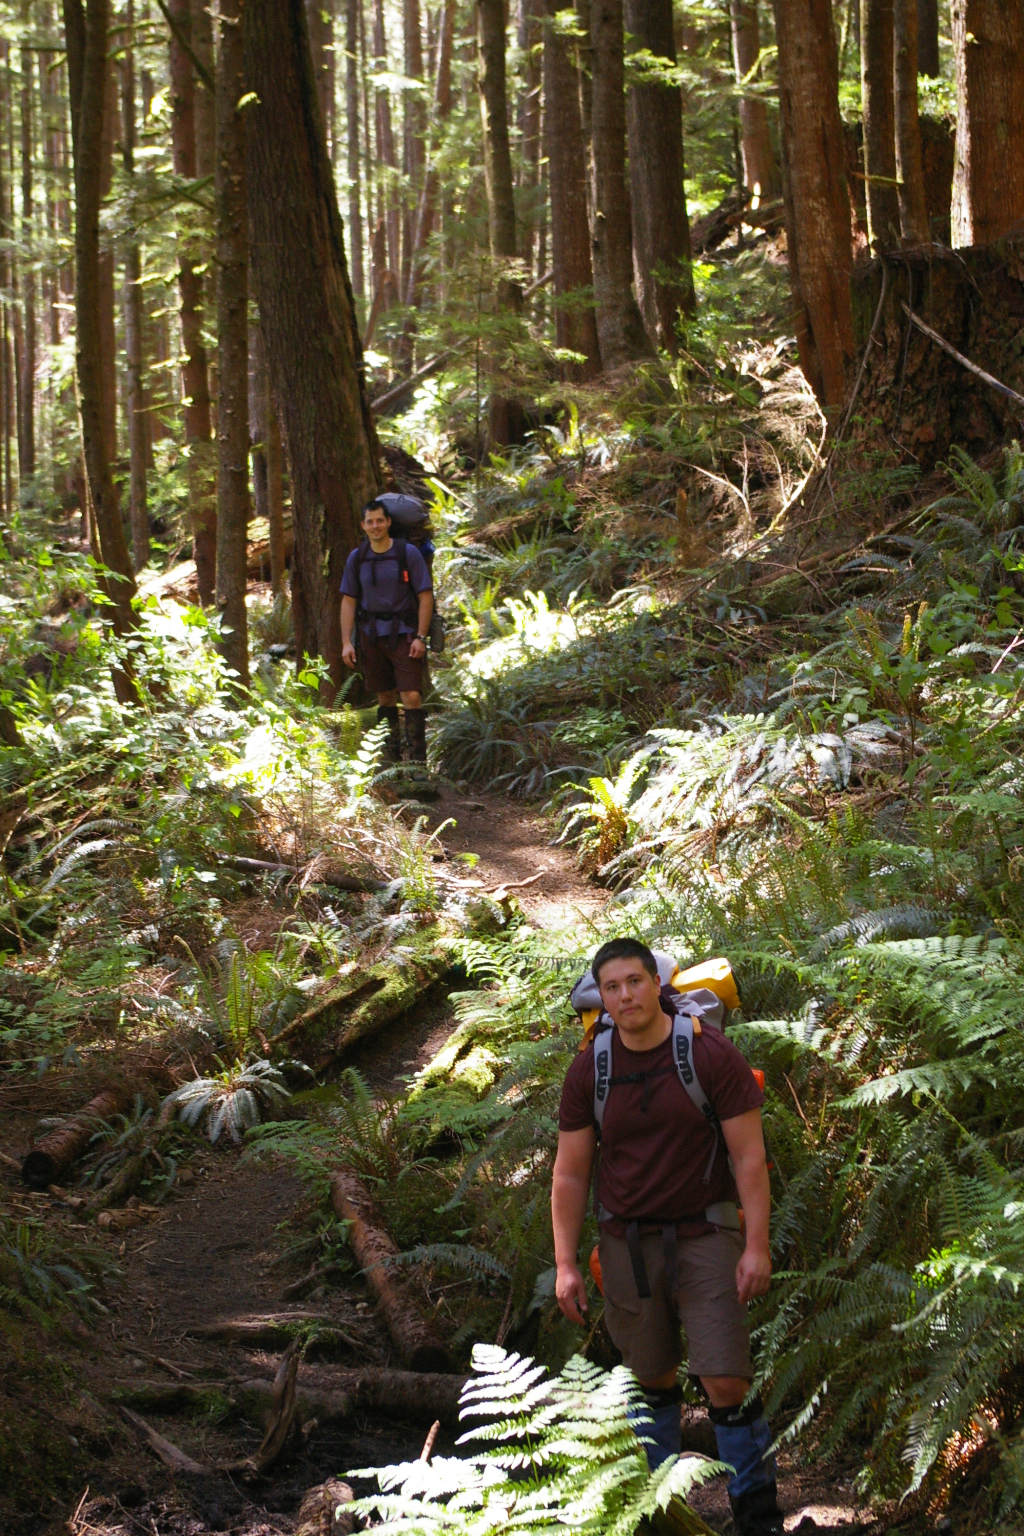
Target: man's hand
{"points": [[571, 1293], [417, 649], [348, 654], [753, 1273]]}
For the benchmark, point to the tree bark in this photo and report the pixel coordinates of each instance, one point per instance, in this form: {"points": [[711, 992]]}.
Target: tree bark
{"points": [[355, 219], [414, 128], [305, 301], [108, 286], [412, 1334], [928, 38], [205, 105], [620, 329], [909, 167], [232, 346], [988, 174], [320, 21], [876, 77], [265, 441], [275, 493], [426, 212], [386, 143], [86, 27], [27, 445], [661, 229], [137, 434], [501, 213], [816, 201], [50, 1159], [528, 35], [195, 379], [565, 147], [760, 170]]}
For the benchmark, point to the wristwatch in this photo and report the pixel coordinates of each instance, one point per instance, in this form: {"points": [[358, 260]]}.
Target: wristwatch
{"points": [[424, 638]]}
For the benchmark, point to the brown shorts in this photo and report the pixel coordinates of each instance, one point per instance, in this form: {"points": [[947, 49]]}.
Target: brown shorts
{"points": [[386, 667], [705, 1302]]}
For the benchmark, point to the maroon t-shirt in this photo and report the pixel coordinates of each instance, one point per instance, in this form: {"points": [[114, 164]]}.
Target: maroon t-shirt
{"points": [[655, 1144]]}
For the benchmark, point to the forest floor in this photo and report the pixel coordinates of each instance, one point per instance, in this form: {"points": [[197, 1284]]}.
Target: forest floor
{"points": [[213, 1253]]}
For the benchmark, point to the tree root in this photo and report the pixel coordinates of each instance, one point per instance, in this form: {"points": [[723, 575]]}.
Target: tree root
{"points": [[412, 1335]]}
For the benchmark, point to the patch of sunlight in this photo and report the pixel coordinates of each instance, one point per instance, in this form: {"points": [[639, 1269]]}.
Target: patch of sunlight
{"points": [[537, 630]]}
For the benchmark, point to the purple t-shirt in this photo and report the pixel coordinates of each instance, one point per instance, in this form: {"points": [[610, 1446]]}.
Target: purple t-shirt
{"points": [[380, 586]]}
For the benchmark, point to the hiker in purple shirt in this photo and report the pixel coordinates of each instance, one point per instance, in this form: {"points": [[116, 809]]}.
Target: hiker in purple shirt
{"points": [[387, 600]]}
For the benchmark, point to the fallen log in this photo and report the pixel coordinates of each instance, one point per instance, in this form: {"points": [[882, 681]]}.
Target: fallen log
{"points": [[412, 1335], [358, 1005], [283, 1410], [50, 1158], [278, 1329], [340, 882], [323, 1393]]}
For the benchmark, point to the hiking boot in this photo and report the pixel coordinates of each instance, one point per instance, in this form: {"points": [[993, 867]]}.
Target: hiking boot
{"points": [[393, 745], [416, 734], [757, 1512]]}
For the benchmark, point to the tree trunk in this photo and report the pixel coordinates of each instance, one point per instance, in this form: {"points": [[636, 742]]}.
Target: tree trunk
{"points": [[620, 329], [232, 346], [108, 301], [137, 435], [909, 168], [205, 106], [501, 213], [275, 491], [529, 35], [506, 422], [305, 302], [426, 212], [876, 77], [355, 220], [988, 175], [817, 205], [195, 379], [27, 446], [661, 229], [414, 128], [565, 147], [386, 142], [86, 28], [760, 171], [320, 21], [928, 38]]}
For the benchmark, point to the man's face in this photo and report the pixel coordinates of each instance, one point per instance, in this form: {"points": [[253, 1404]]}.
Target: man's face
{"points": [[630, 994], [376, 524]]}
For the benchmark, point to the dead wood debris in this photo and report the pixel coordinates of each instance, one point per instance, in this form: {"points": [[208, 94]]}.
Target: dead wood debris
{"points": [[412, 1335]]}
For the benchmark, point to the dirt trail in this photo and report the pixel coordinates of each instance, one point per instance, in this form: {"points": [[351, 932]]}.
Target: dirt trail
{"points": [[215, 1252]]}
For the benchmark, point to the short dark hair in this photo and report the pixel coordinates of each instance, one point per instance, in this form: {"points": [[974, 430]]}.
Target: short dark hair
{"points": [[623, 949], [374, 506]]}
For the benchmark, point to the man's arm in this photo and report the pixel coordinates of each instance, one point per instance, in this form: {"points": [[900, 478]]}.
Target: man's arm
{"points": [[570, 1185], [425, 600], [745, 1141], [348, 619]]}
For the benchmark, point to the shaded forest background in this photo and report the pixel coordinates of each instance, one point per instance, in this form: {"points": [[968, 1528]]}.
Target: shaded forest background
{"points": [[698, 327]]}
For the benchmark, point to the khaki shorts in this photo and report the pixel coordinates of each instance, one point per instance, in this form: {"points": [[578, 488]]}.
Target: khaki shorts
{"points": [[386, 667], [646, 1330]]}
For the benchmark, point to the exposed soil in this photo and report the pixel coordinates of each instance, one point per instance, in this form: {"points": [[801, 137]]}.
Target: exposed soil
{"points": [[214, 1252]]}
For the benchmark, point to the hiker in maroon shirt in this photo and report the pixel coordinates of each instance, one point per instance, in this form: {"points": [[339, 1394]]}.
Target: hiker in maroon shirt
{"points": [[671, 1249], [386, 605]]}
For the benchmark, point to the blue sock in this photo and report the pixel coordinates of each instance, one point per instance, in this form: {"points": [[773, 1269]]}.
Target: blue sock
{"points": [[743, 1439], [658, 1425]]}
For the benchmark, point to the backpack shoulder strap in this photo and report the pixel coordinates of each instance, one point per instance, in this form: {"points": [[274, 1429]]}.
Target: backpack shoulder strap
{"points": [[685, 1027], [602, 1072]]}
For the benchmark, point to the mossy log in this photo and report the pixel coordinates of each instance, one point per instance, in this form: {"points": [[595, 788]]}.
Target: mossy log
{"points": [[358, 1005], [411, 1333]]}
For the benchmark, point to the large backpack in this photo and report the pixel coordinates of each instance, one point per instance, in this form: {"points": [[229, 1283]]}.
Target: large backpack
{"points": [[700, 998], [410, 522]]}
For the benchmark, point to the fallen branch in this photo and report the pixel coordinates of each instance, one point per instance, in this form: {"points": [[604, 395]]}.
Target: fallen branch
{"points": [[398, 391], [283, 1405], [260, 866], [54, 1155], [323, 1513], [410, 1332], [965, 362]]}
